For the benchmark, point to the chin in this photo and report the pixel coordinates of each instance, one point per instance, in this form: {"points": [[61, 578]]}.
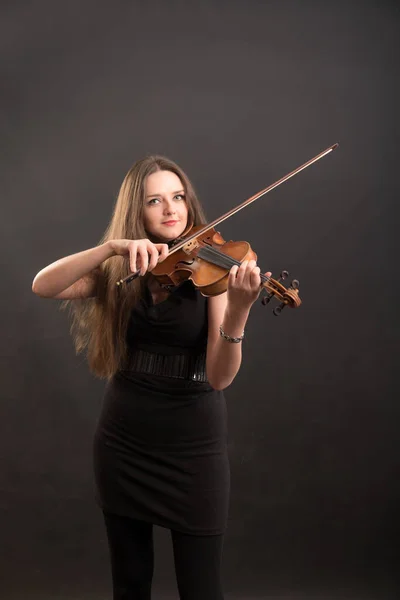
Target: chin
{"points": [[167, 236], [171, 233]]}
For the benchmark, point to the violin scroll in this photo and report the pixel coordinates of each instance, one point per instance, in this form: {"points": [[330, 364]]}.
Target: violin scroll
{"points": [[287, 296]]}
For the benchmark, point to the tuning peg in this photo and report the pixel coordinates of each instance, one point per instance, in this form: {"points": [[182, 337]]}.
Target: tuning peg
{"points": [[295, 284], [278, 309], [283, 275], [267, 298]]}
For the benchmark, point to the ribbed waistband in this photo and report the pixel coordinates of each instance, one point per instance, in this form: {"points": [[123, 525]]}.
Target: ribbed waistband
{"points": [[180, 366]]}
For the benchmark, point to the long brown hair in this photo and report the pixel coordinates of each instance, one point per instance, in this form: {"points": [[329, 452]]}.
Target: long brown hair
{"points": [[100, 324]]}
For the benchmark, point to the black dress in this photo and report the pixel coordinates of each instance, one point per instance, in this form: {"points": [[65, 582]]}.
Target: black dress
{"points": [[160, 448]]}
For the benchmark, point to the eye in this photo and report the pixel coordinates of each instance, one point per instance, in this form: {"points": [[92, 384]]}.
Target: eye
{"points": [[180, 196], [153, 201]]}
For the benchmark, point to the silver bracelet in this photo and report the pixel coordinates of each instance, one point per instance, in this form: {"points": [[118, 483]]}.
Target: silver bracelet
{"points": [[228, 338]]}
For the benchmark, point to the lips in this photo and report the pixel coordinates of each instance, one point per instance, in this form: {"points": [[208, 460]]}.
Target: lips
{"points": [[169, 222]]}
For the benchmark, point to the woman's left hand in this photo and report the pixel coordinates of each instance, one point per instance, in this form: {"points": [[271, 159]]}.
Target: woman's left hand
{"points": [[244, 285]]}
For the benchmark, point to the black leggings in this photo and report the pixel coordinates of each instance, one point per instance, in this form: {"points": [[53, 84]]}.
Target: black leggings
{"points": [[197, 561]]}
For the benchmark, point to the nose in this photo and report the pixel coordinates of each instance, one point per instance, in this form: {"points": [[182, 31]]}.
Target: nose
{"points": [[169, 208]]}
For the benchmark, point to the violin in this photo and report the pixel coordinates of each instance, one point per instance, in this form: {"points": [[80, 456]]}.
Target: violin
{"points": [[203, 256]]}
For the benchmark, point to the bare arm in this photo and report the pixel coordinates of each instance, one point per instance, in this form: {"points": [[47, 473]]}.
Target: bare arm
{"points": [[224, 359], [231, 310], [75, 276], [72, 276]]}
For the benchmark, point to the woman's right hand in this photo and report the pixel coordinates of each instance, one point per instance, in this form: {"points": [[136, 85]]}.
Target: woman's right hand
{"points": [[143, 254]]}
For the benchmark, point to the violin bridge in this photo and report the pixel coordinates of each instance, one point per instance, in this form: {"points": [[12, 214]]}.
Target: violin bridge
{"points": [[190, 246]]}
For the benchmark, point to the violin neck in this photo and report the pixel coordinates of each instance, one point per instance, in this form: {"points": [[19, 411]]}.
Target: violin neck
{"points": [[218, 258]]}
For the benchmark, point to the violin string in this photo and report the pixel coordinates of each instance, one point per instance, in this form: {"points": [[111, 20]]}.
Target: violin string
{"points": [[222, 260]]}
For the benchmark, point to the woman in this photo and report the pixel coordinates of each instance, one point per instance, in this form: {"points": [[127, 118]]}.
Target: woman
{"points": [[160, 448]]}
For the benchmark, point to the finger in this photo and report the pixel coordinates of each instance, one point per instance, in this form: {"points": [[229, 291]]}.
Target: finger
{"points": [[240, 276], [245, 281], [133, 257], [232, 276], [163, 250], [251, 265], [144, 259], [255, 279], [154, 256]]}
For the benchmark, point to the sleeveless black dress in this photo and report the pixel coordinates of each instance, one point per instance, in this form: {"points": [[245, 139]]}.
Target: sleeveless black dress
{"points": [[160, 448]]}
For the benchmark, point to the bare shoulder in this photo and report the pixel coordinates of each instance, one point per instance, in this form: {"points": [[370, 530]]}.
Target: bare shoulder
{"points": [[85, 287]]}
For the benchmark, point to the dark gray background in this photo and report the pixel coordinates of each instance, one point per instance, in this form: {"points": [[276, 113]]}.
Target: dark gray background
{"points": [[239, 94]]}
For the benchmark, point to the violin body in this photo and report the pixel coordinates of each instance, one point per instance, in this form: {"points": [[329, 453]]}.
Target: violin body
{"points": [[206, 259], [209, 278]]}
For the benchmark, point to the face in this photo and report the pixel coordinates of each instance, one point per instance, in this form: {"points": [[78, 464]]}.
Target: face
{"points": [[165, 211]]}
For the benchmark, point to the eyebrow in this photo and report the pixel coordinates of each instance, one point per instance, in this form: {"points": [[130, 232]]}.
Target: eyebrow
{"points": [[178, 192]]}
